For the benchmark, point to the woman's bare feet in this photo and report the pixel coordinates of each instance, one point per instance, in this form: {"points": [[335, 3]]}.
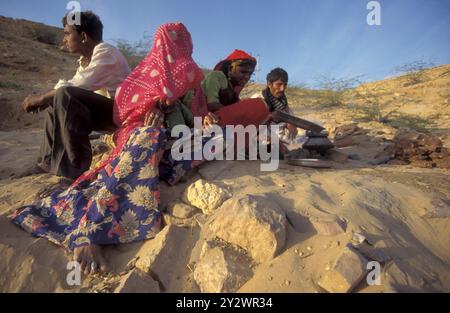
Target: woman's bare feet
{"points": [[90, 258]]}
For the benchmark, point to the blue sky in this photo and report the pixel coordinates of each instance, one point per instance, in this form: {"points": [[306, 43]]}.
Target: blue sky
{"points": [[308, 38]]}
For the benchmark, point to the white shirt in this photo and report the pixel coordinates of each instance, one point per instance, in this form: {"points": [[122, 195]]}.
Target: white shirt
{"points": [[106, 71]]}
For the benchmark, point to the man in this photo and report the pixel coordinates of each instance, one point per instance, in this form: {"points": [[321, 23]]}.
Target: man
{"points": [[80, 105], [275, 97]]}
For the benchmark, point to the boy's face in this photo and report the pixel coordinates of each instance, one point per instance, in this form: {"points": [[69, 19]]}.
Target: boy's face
{"points": [[277, 88], [72, 39]]}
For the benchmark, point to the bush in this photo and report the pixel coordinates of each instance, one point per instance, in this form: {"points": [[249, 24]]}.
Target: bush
{"points": [[414, 71], [332, 90], [134, 52]]}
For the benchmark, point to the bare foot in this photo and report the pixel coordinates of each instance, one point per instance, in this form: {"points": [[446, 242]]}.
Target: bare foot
{"points": [[90, 258]]}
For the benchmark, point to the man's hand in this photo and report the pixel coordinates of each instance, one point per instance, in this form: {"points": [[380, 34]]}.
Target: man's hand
{"points": [[210, 119], [292, 131], [154, 118], [34, 103]]}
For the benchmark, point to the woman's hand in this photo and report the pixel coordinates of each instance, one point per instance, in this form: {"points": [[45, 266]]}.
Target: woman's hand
{"points": [[154, 118], [210, 119]]}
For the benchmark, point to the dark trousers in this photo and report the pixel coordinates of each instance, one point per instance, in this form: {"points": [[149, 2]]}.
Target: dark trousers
{"points": [[75, 113]]}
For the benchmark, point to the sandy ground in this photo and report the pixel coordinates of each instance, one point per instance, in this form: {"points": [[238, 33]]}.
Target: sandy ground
{"points": [[385, 203]]}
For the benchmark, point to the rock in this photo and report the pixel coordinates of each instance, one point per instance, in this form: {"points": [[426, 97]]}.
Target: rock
{"points": [[345, 130], [254, 223], [397, 279], [162, 255], [346, 274], [181, 210], [438, 208], [331, 226], [205, 196], [137, 281], [344, 142], [336, 156], [180, 222], [372, 253], [221, 269]]}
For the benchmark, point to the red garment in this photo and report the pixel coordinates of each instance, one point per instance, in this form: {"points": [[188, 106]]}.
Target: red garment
{"points": [[235, 55], [245, 112], [166, 73], [199, 105]]}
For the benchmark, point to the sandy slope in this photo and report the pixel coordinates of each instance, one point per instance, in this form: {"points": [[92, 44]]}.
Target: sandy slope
{"points": [[385, 203]]}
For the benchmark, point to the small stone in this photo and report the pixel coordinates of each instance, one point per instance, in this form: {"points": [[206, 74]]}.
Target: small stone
{"points": [[205, 196], [270, 278], [296, 250], [287, 282], [309, 248], [328, 225], [358, 238], [347, 272]]}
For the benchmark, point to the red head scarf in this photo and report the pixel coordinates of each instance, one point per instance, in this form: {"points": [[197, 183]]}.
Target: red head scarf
{"points": [[199, 105], [166, 73], [235, 55]]}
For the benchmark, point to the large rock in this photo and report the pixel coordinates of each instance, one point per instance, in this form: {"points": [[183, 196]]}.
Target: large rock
{"points": [[137, 281], [397, 279], [205, 196], [347, 272], [163, 256], [221, 269], [254, 223]]}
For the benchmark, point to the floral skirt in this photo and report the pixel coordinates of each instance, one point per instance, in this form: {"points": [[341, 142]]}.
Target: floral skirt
{"points": [[121, 205]]}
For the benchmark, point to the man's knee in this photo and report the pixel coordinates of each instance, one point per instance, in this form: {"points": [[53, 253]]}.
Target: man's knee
{"points": [[61, 98]]}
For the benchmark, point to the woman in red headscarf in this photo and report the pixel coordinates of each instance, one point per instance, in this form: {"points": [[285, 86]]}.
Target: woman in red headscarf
{"points": [[118, 201], [220, 102]]}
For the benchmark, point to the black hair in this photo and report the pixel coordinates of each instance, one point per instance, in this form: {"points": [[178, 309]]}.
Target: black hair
{"points": [[90, 23], [277, 74]]}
